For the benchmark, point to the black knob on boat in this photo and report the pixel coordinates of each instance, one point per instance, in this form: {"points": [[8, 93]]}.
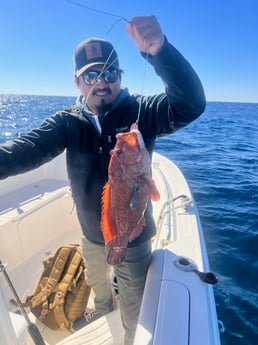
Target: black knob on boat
{"points": [[184, 261], [188, 265], [207, 277], [210, 278]]}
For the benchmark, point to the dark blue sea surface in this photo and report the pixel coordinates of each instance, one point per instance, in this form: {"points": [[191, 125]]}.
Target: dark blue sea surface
{"points": [[218, 154]]}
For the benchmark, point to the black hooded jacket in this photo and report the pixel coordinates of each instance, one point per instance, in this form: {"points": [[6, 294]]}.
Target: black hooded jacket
{"points": [[88, 153]]}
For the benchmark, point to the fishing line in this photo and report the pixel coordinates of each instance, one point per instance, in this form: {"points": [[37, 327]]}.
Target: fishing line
{"points": [[120, 18], [100, 11], [116, 22], [142, 88], [104, 68]]}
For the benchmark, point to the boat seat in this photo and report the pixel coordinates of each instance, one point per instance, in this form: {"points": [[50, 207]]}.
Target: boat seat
{"points": [[164, 315], [17, 204], [26, 217]]}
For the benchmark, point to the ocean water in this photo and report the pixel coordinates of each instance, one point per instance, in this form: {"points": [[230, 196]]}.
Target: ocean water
{"points": [[218, 154]]}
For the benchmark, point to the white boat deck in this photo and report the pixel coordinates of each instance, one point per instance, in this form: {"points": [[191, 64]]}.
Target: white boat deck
{"points": [[107, 330], [37, 215]]}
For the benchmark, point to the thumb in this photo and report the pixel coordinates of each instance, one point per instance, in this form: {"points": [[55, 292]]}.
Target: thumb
{"points": [[129, 29]]}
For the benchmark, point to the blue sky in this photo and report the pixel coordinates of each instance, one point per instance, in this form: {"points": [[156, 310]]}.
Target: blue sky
{"points": [[219, 38]]}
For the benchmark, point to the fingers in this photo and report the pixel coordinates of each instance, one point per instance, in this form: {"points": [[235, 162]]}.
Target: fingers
{"points": [[146, 33]]}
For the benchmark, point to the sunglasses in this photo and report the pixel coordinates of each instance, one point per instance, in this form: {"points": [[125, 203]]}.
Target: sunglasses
{"points": [[92, 77]]}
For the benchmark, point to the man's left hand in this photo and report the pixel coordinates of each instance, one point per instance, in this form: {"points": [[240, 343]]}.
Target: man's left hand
{"points": [[146, 33]]}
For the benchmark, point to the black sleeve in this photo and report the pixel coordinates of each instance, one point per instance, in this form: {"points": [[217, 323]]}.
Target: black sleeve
{"points": [[183, 87], [35, 148]]}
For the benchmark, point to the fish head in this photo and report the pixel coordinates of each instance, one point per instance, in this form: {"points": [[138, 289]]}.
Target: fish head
{"points": [[128, 148]]}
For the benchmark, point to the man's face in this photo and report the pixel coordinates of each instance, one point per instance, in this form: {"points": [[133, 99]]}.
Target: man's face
{"points": [[101, 94]]}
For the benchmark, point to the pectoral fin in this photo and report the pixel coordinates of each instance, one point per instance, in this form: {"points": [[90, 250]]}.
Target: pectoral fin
{"points": [[154, 193], [134, 201]]}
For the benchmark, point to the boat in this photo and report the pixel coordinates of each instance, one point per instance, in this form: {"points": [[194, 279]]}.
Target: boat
{"points": [[37, 216]]}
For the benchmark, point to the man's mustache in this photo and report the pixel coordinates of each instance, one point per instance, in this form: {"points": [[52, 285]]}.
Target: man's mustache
{"points": [[96, 90]]}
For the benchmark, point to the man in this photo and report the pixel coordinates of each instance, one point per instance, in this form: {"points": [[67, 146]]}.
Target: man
{"points": [[87, 131]]}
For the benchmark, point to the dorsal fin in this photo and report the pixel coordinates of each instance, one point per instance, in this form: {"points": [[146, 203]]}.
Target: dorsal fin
{"points": [[106, 224]]}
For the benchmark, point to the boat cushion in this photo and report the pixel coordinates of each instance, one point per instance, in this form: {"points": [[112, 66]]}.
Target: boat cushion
{"points": [[164, 316]]}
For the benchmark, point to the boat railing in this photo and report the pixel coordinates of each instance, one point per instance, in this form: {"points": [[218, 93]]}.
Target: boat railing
{"points": [[168, 212]]}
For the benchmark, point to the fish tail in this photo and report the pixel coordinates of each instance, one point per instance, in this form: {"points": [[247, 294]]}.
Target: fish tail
{"points": [[115, 255]]}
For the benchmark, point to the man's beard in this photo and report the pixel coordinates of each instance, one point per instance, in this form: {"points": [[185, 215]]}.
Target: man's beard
{"points": [[102, 105]]}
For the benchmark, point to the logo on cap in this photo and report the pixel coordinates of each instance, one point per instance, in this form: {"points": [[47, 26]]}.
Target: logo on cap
{"points": [[93, 50]]}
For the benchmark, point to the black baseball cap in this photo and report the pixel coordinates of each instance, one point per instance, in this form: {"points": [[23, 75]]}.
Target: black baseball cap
{"points": [[92, 52]]}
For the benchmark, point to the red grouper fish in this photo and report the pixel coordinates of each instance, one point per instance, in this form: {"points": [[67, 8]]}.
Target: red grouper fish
{"points": [[126, 193]]}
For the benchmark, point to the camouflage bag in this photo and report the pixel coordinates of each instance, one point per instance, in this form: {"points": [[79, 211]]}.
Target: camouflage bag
{"points": [[62, 293]]}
